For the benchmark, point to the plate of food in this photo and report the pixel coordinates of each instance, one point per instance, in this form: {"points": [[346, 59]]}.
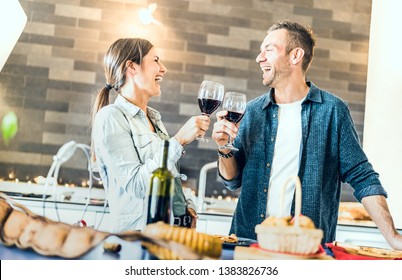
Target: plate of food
{"points": [[231, 241]]}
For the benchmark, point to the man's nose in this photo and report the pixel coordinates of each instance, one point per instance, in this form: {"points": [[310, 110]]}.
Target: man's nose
{"points": [[260, 57]]}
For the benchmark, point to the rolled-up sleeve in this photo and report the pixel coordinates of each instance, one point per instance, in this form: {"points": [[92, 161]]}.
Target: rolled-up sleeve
{"points": [[355, 168], [369, 191]]}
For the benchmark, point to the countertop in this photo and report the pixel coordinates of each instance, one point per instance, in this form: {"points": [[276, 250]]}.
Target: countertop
{"points": [[129, 251], [59, 193]]}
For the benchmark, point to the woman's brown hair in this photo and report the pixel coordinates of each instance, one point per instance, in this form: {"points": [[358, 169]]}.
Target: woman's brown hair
{"points": [[114, 62], [121, 51]]}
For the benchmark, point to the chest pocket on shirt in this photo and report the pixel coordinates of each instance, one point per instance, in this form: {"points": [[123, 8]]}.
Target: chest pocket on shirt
{"points": [[143, 145]]}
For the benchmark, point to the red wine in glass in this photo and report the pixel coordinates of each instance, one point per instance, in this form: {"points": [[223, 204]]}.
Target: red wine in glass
{"points": [[210, 96], [235, 103], [208, 106], [234, 117]]}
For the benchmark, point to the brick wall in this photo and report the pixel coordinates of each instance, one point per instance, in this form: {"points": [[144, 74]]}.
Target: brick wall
{"points": [[55, 71]]}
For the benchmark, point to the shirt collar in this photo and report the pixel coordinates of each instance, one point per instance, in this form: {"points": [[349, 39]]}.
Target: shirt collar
{"points": [[134, 110], [313, 95]]}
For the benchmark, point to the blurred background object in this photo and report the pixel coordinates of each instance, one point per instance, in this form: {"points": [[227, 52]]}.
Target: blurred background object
{"points": [[383, 117], [9, 127], [12, 22]]}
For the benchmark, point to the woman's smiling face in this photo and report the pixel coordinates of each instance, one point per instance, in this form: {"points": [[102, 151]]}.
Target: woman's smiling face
{"points": [[150, 73]]}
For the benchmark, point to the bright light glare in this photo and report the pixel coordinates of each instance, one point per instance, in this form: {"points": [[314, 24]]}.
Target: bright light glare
{"points": [[146, 15], [12, 23]]}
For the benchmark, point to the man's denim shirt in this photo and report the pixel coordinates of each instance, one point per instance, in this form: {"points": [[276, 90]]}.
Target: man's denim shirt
{"points": [[330, 153]]}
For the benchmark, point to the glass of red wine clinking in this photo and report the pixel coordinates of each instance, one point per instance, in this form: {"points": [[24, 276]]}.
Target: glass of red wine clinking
{"points": [[235, 103], [210, 96]]}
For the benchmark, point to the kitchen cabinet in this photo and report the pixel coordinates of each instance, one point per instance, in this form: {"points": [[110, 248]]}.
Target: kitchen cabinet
{"points": [[361, 235], [214, 223]]}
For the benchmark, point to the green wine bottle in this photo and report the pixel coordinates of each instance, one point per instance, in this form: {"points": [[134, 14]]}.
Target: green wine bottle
{"points": [[161, 192]]}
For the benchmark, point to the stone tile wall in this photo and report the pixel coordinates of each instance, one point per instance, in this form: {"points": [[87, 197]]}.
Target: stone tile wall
{"points": [[55, 70]]}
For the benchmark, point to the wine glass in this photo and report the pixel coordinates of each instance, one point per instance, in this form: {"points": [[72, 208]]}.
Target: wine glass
{"points": [[235, 103], [210, 97]]}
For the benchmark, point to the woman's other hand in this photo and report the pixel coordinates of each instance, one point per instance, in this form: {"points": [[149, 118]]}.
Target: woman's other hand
{"points": [[191, 212]]}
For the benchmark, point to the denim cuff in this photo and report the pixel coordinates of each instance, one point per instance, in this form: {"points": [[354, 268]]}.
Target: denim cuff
{"points": [[369, 191], [230, 184]]}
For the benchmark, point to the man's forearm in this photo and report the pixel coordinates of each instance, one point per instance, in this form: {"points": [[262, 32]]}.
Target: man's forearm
{"points": [[228, 168], [378, 210]]}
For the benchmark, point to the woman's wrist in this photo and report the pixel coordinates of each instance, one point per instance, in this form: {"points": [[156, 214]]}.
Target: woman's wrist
{"points": [[181, 141]]}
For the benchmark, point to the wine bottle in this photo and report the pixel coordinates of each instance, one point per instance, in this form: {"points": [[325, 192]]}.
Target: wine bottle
{"points": [[160, 192]]}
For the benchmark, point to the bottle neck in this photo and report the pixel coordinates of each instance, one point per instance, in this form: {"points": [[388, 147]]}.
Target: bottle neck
{"points": [[165, 154]]}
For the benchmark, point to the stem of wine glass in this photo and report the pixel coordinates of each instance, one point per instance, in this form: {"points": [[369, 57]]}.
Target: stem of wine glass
{"points": [[229, 145]]}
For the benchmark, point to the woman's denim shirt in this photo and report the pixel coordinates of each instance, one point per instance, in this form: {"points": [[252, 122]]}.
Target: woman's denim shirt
{"points": [[330, 154], [126, 154]]}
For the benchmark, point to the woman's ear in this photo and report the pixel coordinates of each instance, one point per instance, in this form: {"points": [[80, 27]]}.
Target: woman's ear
{"points": [[296, 55], [132, 67]]}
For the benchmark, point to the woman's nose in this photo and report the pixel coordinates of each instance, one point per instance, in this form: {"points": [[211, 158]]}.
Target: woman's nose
{"points": [[163, 68]]}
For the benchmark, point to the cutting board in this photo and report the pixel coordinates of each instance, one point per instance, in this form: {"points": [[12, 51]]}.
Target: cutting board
{"points": [[253, 253], [366, 251]]}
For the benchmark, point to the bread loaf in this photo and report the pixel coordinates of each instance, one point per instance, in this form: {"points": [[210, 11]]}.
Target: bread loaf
{"points": [[24, 229], [353, 211], [200, 243]]}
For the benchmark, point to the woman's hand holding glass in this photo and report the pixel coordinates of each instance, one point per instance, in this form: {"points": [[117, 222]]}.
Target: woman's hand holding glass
{"points": [[196, 126], [210, 97]]}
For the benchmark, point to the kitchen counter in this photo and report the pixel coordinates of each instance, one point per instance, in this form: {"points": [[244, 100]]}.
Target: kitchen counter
{"points": [[129, 251], [363, 234], [214, 218], [59, 193]]}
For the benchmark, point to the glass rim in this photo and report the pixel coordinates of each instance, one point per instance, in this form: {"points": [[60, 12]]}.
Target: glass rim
{"points": [[235, 93], [212, 83]]}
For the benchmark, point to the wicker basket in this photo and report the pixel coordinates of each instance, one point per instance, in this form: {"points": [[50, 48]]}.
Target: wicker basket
{"points": [[293, 238]]}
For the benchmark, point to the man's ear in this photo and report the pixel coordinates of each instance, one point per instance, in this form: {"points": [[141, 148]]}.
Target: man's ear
{"points": [[296, 55]]}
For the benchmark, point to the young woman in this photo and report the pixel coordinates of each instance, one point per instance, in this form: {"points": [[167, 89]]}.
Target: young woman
{"points": [[126, 135]]}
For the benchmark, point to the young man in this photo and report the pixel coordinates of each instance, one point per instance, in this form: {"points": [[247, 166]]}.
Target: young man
{"points": [[296, 129]]}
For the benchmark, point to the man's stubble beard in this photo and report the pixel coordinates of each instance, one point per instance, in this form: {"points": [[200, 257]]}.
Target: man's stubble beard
{"points": [[277, 76]]}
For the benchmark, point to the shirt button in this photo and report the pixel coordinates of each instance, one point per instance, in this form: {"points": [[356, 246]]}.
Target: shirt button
{"points": [[262, 215], [274, 115], [272, 139], [268, 164], [265, 190]]}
